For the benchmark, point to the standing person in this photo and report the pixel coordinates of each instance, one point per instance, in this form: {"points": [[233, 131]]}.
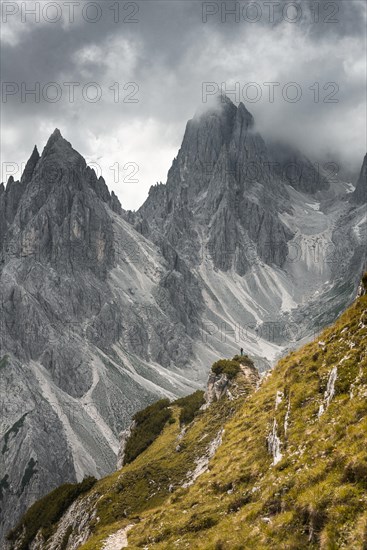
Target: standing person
{"points": [[241, 351]]}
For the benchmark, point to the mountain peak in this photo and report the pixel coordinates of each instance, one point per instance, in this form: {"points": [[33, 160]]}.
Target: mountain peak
{"points": [[223, 108], [55, 138], [218, 104], [223, 98], [61, 151], [56, 134]]}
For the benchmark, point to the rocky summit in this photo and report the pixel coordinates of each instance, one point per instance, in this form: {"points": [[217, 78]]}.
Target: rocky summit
{"points": [[103, 311]]}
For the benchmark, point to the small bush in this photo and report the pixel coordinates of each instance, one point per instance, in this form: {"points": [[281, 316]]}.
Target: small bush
{"points": [[197, 524], [356, 472], [190, 406], [4, 361], [283, 464], [226, 366], [347, 374], [222, 488], [238, 503], [163, 535], [273, 506], [244, 359]]}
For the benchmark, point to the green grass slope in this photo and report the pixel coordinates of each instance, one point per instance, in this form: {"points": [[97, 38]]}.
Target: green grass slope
{"points": [[316, 495], [160, 461], [312, 494]]}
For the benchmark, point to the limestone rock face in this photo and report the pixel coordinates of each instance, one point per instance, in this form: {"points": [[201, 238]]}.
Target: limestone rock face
{"points": [[60, 219], [253, 228], [88, 342], [292, 167], [220, 180], [217, 387]]}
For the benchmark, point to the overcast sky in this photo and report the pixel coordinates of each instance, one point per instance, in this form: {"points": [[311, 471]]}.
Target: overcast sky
{"points": [[157, 56]]}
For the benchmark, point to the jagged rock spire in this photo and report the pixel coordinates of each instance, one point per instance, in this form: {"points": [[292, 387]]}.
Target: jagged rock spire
{"points": [[359, 196], [30, 166]]}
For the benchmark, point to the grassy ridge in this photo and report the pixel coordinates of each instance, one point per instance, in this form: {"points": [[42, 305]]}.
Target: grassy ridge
{"points": [[316, 495]]}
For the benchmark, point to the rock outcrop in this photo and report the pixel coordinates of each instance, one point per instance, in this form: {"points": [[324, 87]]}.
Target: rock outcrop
{"points": [[220, 385], [217, 387]]}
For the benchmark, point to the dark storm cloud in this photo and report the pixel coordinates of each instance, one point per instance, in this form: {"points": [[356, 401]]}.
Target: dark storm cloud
{"points": [[169, 53]]}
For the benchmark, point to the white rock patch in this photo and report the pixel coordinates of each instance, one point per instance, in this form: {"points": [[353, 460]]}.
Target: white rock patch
{"points": [[330, 391], [286, 419], [118, 540], [278, 399], [274, 444], [202, 463]]}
